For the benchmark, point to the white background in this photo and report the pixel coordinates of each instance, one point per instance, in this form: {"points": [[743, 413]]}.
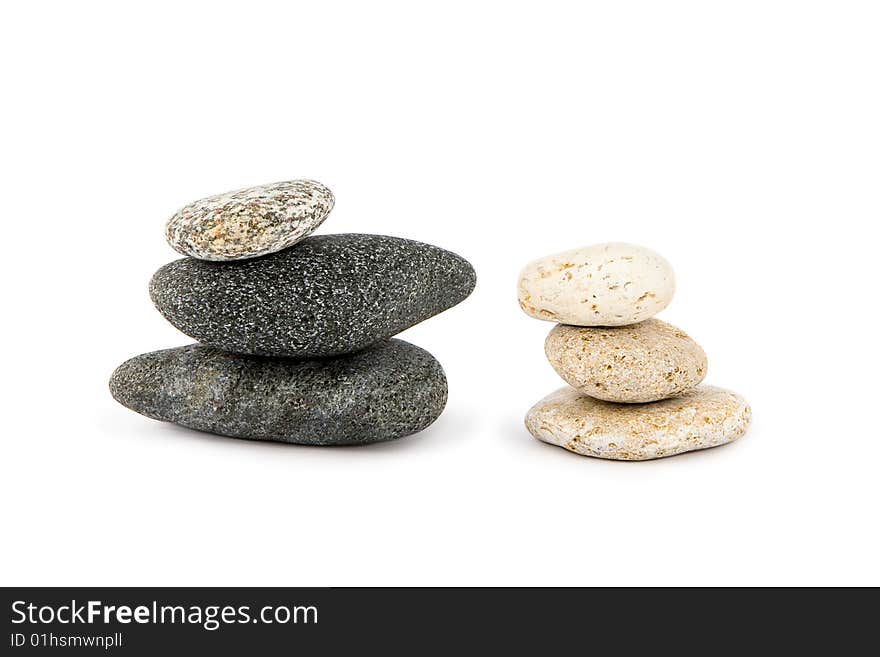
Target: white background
{"points": [[739, 139]]}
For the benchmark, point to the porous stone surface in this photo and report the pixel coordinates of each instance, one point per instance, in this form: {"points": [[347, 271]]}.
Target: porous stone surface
{"points": [[641, 362], [603, 285], [328, 295], [701, 418], [249, 222], [391, 390]]}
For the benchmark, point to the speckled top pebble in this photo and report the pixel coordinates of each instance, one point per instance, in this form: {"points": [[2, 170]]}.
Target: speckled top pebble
{"points": [[603, 285], [249, 222], [641, 362], [328, 295], [704, 417], [391, 390]]}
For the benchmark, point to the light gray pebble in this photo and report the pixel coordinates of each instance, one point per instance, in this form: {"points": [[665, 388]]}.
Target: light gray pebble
{"points": [[249, 222]]}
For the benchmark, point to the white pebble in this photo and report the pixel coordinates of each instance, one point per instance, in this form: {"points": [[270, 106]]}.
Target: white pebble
{"points": [[611, 284]]}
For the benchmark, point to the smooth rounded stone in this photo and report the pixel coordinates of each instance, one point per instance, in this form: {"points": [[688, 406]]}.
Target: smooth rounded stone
{"points": [[641, 362], [249, 222], [391, 390], [603, 285], [328, 295], [701, 418]]}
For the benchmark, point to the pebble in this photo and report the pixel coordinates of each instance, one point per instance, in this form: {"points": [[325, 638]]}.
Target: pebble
{"points": [[249, 222], [704, 417], [603, 285], [328, 295], [642, 362], [391, 390]]}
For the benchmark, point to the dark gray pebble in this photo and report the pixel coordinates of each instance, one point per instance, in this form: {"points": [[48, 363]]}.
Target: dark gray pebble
{"points": [[328, 295], [390, 390]]}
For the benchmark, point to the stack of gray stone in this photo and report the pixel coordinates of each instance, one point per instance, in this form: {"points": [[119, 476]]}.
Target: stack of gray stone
{"points": [[294, 332]]}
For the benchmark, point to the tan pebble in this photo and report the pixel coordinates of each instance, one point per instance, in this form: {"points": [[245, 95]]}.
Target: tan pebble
{"points": [[704, 417], [611, 284], [642, 362]]}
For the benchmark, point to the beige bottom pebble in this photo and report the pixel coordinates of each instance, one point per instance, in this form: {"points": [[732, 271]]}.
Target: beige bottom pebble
{"points": [[704, 417]]}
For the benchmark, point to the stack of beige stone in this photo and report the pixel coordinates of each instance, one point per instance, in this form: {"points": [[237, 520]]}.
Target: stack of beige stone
{"points": [[634, 388]]}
